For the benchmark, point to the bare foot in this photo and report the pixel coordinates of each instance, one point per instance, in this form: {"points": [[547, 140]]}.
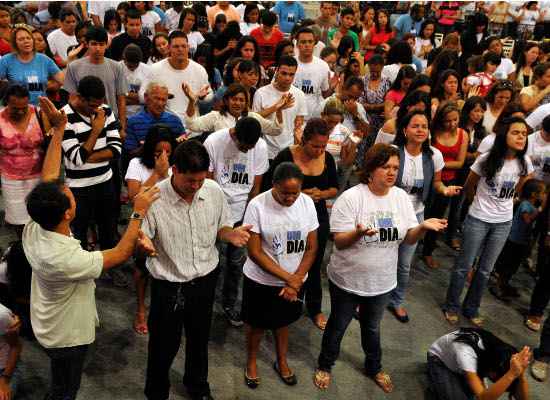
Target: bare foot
{"points": [[140, 324], [320, 321], [321, 379]]}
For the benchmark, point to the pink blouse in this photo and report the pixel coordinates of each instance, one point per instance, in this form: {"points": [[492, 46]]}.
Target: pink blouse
{"points": [[21, 154]]}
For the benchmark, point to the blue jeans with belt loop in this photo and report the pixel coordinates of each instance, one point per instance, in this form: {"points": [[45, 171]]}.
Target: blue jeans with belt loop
{"points": [[404, 260], [476, 233]]}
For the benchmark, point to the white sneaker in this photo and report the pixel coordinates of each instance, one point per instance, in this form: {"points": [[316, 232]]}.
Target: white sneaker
{"points": [[539, 370]]}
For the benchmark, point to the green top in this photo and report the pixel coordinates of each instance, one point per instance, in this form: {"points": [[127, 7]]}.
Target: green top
{"points": [[350, 33]]}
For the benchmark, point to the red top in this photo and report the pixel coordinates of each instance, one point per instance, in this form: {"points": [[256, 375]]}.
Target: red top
{"points": [[267, 46], [376, 39], [5, 47], [450, 153]]}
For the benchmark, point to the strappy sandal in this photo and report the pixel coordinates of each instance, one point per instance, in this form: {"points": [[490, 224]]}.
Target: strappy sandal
{"points": [[140, 324], [252, 383], [289, 380], [383, 380], [321, 379], [320, 321], [451, 317]]}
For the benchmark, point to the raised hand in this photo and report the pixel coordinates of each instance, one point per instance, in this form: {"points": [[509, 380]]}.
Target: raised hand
{"points": [[333, 81], [520, 361], [162, 164], [203, 92], [144, 199], [474, 91], [57, 118], [189, 92]]}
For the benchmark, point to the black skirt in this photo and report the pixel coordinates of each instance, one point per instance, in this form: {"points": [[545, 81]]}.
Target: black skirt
{"points": [[263, 308]]}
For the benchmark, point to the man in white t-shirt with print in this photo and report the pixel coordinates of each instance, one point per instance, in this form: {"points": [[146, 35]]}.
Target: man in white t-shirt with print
{"points": [[177, 69], [238, 160], [266, 101], [62, 38], [313, 74]]}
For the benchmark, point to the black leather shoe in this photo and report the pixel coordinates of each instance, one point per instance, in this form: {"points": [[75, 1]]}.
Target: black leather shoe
{"points": [[252, 383], [290, 380]]}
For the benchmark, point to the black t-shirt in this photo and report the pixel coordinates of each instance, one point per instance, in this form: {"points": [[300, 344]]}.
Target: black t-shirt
{"points": [[120, 42], [328, 179]]}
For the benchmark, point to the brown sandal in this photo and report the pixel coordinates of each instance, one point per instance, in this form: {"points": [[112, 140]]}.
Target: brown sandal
{"points": [[383, 380], [140, 324], [321, 379], [320, 321]]}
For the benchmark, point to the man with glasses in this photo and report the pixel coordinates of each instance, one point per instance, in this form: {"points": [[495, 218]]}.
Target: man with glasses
{"points": [[238, 160]]}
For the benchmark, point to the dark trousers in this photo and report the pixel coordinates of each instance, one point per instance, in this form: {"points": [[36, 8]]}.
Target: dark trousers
{"points": [[312, 286], [446, 384], [95, 203], [343, 305], [543, 351], [510, 258], [437, 209], [541, 294], [175, 306], [66, 364]]}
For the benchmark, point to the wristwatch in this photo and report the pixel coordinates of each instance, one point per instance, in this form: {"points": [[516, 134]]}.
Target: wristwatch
{"points": [[136, 215]]}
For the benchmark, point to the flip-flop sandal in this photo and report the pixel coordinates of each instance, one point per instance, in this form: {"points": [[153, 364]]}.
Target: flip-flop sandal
{"points": [[289, 380], [383, 380], [252, 383], [321, 379], [451, 317], [140, 324]]}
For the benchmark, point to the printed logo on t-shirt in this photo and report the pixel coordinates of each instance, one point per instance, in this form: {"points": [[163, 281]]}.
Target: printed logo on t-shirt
{"points": [[505, 190], [33, 84], [386, 225], [307, 86], [234, 173], [294, 242], [290, 17], [277, 245], [134, 87], [146, 31]]}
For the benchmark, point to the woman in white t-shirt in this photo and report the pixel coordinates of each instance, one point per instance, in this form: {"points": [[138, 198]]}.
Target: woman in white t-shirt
{"points": [[500, 94], [151, 167], [251, 19], [188, 25], [281, 249], [150, 20], [460, 361], [369, 222], [420, 170], [493, 180]]}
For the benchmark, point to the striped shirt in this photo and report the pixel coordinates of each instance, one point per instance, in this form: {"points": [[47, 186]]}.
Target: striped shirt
{"points": [[184, 235], [80, 173]]}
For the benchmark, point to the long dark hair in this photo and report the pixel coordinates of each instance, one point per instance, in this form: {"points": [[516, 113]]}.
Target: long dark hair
{"points": [[446, 59], [412, 98], [184, 14], [495, 159], [439, 117], [400, 53], [439, 90], [155, 54], [469, 105], [423, 26], [400, 137], [156, 134], [244, 40], [377, 27], [521, 62], [233, 90], [405, 72], [493, 358]]}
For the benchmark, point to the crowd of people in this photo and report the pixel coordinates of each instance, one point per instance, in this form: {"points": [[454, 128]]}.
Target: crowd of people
{"points": [[247, 139]]}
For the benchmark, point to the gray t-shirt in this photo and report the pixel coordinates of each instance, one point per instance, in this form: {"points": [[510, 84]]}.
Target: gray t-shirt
{"points": [[110, 72]]}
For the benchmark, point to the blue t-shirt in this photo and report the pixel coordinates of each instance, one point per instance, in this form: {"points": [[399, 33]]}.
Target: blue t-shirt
{"points": [[405, 24], [289, 14], [521, 232], [33, 75]]}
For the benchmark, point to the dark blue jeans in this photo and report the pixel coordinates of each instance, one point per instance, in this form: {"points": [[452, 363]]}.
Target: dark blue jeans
{"points": [[66, 365], [444, 383], [342, 306]]}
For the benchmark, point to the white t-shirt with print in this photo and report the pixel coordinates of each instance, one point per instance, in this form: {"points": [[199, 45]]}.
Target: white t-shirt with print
{"points": [[312, 79], [7, 319], [139, 172], [135, 79], [494, 200], [283, 232], [369, 266], [337, 137], [487, 143], [413, 176], [458, 357], [268, 95], [59, 42], [148, 22], [505, 68], [234, 170], [538, 150], [194, 39]]}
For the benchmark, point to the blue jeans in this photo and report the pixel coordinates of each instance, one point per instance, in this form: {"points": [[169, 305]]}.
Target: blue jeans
{"points": [[476, 233], [342, 306], [404, 260], [446, 384]]}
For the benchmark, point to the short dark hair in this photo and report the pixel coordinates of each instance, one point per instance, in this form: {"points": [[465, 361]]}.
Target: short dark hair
{"points": [[375, 157], [287, 170], [354, 81], [132, 54], [268, 18], [376, 59], [304, 30], [46, 204], [289, 61], [132, 13], [15, 90], [315, 126], [328, 51], [540, 70], [91, 87], [97, 34], [248, 131], [191, 156], [347, 11], [67, 12], [177, 34], [491, 57]]}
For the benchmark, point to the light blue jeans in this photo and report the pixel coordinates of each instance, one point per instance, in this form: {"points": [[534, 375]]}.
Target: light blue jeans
{"points": [[475, 234], [404, 260]]}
